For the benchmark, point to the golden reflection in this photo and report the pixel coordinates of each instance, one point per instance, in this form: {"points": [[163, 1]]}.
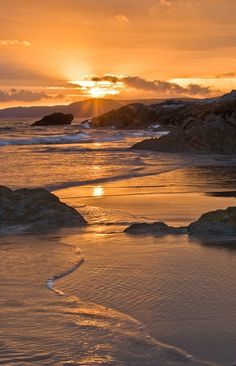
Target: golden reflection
{"points": [[98, 191]]}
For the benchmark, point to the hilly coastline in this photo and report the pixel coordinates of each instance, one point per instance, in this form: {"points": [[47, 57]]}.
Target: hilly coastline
{"points": [[83, 109]]}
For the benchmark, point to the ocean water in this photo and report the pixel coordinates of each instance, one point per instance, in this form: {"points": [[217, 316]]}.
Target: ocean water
{"points": [[95, 296]]}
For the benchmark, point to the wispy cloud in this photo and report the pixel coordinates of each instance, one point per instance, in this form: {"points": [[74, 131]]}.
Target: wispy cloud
{"points": [[120, 19], [14, 42], [166, 2]]}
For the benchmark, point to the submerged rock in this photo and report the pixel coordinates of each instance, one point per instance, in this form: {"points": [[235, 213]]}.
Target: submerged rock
{"points": [[55, 119], [156, 228], [220, 222], [37, 208]]}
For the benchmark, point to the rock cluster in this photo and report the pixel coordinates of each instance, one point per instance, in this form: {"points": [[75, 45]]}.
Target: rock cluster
{"points": [[214, 223], [199, 127], [36, 208]]}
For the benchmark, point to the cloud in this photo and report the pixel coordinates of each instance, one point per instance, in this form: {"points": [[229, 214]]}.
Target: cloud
{"points": [[22, 95], [107, 77], [226, 75], [159, 87], [14, 42], [120, 19], [166, 2], [166, 87]]}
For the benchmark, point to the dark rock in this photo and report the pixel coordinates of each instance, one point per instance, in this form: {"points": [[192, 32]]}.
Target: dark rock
{"points": [[36, 208], [131, 116], [156, 228], [220, 222], [199, 127], [215, 224], [55, 119]]}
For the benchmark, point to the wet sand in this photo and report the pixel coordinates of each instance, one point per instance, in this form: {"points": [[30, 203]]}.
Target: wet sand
{"points": [[181, 290]]}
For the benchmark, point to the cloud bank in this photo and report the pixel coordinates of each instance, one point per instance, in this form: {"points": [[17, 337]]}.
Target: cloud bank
{"points": [[22, 96], [160, 87]]}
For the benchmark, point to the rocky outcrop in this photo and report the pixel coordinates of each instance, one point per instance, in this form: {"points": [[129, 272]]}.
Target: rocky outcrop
{"points": [[55, 119], [207, 128], [132, 116], [156, 228], [36, 209], [220, 222]]}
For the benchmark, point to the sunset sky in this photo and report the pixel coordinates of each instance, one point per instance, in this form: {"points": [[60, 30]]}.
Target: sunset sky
{"points": [[59, 51]]}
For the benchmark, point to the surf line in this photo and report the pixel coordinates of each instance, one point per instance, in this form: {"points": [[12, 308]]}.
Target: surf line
{"points": [[140, 326], [51, 281]]}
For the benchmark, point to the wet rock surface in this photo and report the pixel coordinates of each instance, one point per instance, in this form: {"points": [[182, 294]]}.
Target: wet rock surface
{"points": [[220, 222], [156, 228], [37, 208]]}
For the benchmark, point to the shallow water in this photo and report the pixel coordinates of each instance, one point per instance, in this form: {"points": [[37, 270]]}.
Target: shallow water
{"points": [[130, 292]]}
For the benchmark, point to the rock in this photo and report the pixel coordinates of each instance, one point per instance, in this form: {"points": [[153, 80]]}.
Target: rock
{"points": [[55, 119], [156, 228], [131, 116], [220, 223], [204, 129], [85, 124], [36, 208], [228, 96]]}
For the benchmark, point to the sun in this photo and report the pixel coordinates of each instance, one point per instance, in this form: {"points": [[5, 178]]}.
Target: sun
{"points": [[97, 92]]}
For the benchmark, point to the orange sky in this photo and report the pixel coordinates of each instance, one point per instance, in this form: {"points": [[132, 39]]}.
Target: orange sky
{"points": [[152, 48]]}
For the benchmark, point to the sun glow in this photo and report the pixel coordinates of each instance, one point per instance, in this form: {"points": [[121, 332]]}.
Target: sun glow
{"points": [[97, 92], [98, 191], [98, 87]]}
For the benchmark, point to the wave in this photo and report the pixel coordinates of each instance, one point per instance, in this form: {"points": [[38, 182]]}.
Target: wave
{"points": [[61, 139], [92, 136], [56, 139]]}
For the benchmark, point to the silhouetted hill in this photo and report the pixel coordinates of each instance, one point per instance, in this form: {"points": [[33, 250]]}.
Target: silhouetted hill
{"points": [[83, 109], [88, 108]]}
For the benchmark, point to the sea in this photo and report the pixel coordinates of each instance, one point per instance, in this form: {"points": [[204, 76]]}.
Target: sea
{"points": [[95, 296]]}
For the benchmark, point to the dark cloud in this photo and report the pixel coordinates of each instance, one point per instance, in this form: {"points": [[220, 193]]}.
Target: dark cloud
{"points": [[22, 96], [158, 86], [111, 78], [165, 87], [226, 75]]}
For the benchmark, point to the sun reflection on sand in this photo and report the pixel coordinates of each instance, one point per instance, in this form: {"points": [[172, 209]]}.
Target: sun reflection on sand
{"points": [[98, 191]]}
